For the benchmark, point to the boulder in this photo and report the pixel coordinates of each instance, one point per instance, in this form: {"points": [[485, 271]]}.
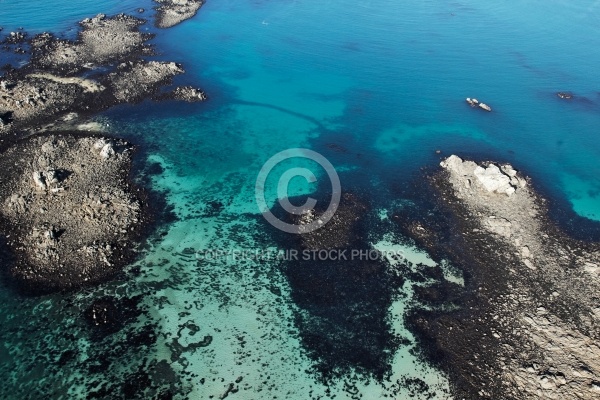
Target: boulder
{"points": [[51, 177], [39, 180], [494, 180]]}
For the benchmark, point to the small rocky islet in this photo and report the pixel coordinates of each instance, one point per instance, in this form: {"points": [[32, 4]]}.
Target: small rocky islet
{"points": [[527, 326]]}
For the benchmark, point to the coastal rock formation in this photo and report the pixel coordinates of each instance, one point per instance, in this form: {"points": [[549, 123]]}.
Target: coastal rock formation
{"points": [[492, 178], [133, 81], [67, 209], [189, 94], [173, 12], [529, 323], [66, 76], [100, 41]]}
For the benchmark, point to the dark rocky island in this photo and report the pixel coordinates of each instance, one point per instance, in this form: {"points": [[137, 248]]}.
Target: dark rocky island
{"points": [[527, 323]]}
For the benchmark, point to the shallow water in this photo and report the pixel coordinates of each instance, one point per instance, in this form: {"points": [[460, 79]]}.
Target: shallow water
{"points": [[376, 87]]}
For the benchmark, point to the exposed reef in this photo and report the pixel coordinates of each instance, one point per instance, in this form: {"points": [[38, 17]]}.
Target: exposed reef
{"points": [[342, 300], [527, 323], [173, 12], [68, 210], [101, 41], [102, 68]]}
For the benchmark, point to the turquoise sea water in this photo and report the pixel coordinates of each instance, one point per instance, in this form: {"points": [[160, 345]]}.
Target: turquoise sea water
{"points": [[376, 87]]}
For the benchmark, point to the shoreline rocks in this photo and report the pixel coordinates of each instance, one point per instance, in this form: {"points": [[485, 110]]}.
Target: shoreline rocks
{"points": [[102, 40], [66, 76], [172, 12], [528, 322]]}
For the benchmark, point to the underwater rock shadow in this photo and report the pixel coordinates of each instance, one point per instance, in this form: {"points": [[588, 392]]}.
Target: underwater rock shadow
{"points": [[343, 303]]}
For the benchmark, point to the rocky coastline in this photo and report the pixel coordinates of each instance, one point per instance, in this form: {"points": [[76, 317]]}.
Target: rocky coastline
{"points": [[68, 209], [526, 324]]}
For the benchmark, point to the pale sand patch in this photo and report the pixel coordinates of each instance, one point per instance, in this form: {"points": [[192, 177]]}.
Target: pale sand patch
{"points": [[88, 85]]}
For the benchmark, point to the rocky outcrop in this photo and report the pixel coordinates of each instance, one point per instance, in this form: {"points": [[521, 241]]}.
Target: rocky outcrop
{"points": [[101, 41], [565, 95], [529, 323], [133, 81], [56, 83], [25, 99], [67, 209], [173, 12], [490, 177], [189, 94]]}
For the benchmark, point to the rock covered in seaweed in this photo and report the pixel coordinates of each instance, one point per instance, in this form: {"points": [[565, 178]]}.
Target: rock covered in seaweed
{"points": [[529, 313]]}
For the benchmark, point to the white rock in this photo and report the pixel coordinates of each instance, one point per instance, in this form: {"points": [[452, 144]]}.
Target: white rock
{"points": [[107, 151], [453, 163], [51, 176], [492, 179], [529, 264], [500, 226], [38, 179], [509, 170], [590, 268], [100, 143]]}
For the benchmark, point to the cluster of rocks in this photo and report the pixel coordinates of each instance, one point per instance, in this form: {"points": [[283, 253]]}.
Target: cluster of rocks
{"points": [[24, 100], [67, 209], [565, 95], [100, 41], [189, 94], [78, 75], [132, 81], [16, 37], [493, 178], [529, 323], [172, 12]]}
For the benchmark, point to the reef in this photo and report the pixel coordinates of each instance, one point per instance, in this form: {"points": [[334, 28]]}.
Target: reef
{"points": [[172, 12], [103, 67], [342, 300], [526, 324]]}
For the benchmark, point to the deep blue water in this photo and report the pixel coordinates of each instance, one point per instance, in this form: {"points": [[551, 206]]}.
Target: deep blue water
{"points": [[377, 88]]}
